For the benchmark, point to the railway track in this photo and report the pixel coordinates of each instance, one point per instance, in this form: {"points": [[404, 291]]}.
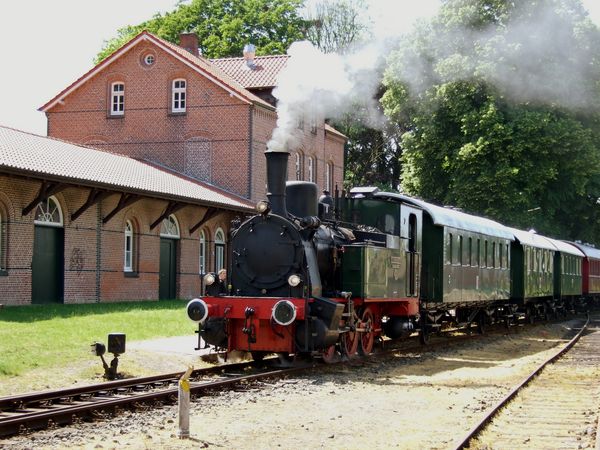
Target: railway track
{"points": [[36, 411], [40, 410], [556, 406]]}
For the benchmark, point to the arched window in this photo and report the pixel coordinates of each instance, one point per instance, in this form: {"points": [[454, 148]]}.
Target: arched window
{"points": [[117, 98], [329, 177], [299, 165], [2, 241], [202, 256], [49, 213], [128, 253], [169, 227], [178, 98], [219, 250], [311, 169]]}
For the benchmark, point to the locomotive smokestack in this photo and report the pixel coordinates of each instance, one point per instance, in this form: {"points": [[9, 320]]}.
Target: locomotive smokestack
{"points": [[277, 163]]}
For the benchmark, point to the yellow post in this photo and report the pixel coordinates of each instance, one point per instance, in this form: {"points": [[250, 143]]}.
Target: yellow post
{"points": [[183, 395]]}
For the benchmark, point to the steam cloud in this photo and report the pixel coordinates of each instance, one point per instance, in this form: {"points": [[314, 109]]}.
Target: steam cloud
{"points": [[548, 55]]}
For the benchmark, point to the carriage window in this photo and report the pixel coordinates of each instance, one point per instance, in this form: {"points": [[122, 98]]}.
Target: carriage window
{"points": [[471, 251], [479, 252], [459, 256], [449, 249], [500, 256], [507, 256], [486, 260], [494, 254]]}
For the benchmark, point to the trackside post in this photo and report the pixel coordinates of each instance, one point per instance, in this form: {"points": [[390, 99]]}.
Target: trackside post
{"points": [[183, 395]]}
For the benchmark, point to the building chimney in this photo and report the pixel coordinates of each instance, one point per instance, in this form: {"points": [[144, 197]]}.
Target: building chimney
{"points": [[189, 42], [249, 54]]}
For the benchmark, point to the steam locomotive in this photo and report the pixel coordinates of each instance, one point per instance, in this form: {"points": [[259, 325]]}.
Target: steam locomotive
{"points": [[323, 276]]}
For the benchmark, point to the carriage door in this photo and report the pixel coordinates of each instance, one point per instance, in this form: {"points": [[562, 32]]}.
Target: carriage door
{"points": [[411, 232], [47, 265]]}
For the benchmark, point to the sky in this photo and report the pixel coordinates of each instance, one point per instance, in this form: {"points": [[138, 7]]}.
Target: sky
{"points": [[47, 44]]}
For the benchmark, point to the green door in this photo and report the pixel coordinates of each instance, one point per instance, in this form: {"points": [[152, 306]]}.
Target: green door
{"points": [[167, 271], [47, 267]]}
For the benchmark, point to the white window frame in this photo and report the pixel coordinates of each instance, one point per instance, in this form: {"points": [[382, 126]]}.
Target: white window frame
{"points": [[329, 177], [1, 241], [46, 211], [202, 253], [311, 169], [299, 166], [219, 249], [117, 98], [169, 228], [128, 250], [179, 95]]}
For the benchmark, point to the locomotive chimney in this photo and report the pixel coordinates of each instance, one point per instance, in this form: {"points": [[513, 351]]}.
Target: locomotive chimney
{"points": [[277, 163]]}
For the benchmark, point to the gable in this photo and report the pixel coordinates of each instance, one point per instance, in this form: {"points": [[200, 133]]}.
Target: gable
{"points": [[200, 66]]}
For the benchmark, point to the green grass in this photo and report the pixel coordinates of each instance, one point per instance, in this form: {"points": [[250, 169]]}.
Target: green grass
{"points": [[45, 336]]}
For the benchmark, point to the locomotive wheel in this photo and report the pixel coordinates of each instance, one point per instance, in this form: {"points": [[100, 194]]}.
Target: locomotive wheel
{"points": [[258, 356], [481, 323], [350, 343], [329, 354], [367, 338], [425, 332]]}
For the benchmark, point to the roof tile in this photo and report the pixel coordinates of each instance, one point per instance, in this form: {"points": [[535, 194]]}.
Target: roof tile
{"points": [[30, 153], [264, 75]]}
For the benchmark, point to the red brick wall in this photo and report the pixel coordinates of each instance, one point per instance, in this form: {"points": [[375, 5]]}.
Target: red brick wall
{"points": [[149, 130], [90, 276], [209, 142]]}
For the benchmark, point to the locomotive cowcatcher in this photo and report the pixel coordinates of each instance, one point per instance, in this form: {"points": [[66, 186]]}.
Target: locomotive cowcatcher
{"points": [[315, 276]]}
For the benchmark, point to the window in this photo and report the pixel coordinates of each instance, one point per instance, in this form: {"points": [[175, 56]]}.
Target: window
{"points": [[500, 258], [460, 251], [117, 95], [470, 251], [149, 59], [49, 213], [128, 262], [178, 104], [219, 249], [479, 252], [169, 227], [2, 243], [494, 254], [486, 255], [299, 164], [311, 169], [329, 177], [449, 249], [202, 256]]}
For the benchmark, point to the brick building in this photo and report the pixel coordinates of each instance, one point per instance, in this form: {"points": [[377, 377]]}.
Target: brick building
{"points": [[181, 142]]}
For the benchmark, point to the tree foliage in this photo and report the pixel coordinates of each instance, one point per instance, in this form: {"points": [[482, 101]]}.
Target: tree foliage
{"points": [[335, 26], [224, 26], [498, 121]]}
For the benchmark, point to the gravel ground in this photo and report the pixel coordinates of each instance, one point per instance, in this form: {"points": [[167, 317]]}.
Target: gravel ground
{"points": [[407, 401]]}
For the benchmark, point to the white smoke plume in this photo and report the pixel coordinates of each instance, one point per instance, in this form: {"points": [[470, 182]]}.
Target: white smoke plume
{"points": [[315, 85], [536, 58], [549, 54]]}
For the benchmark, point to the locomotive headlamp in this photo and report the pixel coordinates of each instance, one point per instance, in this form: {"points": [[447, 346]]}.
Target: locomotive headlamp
{"points": [[294, 280], [209, 279], [283, 313], [197, 310], [263, 207]]}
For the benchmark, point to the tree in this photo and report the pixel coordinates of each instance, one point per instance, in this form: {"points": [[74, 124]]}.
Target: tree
{"points": [[335, 26], [500, 112], [224, 26]]}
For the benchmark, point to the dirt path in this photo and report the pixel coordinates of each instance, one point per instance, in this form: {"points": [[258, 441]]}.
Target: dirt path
{"points": [[410, 401]]}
